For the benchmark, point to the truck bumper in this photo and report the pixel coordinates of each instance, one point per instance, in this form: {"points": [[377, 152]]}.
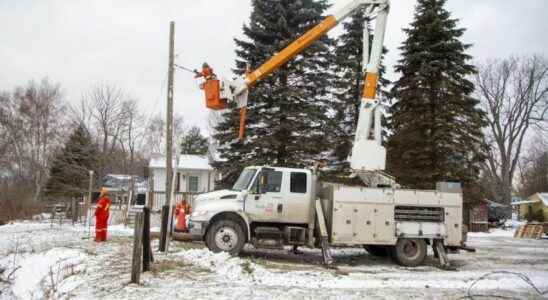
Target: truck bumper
{"points": [[197, 230]]}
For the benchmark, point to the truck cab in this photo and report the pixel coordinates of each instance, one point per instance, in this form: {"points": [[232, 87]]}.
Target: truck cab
{"points": [[263, 200]]}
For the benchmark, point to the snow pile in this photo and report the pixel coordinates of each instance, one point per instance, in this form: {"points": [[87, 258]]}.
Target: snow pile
{"points": [[493, 233], [42, 272], [223, 264]]}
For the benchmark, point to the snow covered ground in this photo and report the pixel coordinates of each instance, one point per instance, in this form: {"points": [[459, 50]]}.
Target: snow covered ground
{"points": [[61, 262]]}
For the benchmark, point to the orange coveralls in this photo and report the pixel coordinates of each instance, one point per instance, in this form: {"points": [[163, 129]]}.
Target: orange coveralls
{"points": [[207, 73], [181, 211], [102, 213]]}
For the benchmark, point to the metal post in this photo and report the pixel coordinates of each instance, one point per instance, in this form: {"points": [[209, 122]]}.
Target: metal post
{"points": [[87, 201]]}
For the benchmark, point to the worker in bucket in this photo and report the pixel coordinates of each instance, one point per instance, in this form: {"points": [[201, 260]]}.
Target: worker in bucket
{"points": [[181, 211], [102, 212], [206, 73]]}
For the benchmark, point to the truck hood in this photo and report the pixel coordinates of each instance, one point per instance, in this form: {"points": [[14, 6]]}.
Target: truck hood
{"points": [[219, 200]]}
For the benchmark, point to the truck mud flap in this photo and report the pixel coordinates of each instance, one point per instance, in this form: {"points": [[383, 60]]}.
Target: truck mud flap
{"points": [[324, 238]]}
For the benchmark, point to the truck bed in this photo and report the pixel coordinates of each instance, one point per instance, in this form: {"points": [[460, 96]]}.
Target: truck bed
{"points": [[359, 215]]}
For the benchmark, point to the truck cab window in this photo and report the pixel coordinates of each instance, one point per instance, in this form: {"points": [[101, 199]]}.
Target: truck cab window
{"points": [[244, 180], [298, 182], [273, 181]]}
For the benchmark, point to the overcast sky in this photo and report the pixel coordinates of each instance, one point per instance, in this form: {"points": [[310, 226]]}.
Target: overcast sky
{"points": [[125, 42]]}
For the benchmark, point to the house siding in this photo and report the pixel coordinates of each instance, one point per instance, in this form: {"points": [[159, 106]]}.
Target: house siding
{"points": [[206, 181], [524, 208]]}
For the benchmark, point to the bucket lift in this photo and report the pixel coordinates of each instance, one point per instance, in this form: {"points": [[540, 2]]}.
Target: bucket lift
{"points": [[368, 154]]}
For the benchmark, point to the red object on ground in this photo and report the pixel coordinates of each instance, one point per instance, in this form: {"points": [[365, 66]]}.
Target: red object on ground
{"points": [[181, 211], [102, 213]]}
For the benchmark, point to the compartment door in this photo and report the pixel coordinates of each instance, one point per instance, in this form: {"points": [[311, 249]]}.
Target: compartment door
{"points": [[364, 227], [384, 224], [342, 231]]}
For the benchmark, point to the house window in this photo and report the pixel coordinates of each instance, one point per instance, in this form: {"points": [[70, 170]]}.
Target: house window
{"points": [[193, 182]]}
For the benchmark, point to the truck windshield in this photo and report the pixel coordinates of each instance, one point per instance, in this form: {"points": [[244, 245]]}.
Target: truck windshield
{"points": [[244, 180]]}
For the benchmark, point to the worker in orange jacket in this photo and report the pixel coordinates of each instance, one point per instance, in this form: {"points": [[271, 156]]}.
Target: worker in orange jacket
{"points": [[102, 212], [207, 72], [181, 210]]}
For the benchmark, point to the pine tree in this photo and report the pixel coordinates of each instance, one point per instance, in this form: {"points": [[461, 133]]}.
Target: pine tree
{"points": [[70, 167], [348, 89], [436, 123], [193, 142], [287, 110]]}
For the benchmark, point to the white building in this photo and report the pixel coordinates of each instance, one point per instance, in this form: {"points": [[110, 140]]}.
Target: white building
{"points": [[194, 174]]}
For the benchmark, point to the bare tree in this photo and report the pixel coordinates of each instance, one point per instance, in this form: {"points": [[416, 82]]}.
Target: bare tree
{"points": [[155, 133], [514, 93], [533, 167], [31, 122]]}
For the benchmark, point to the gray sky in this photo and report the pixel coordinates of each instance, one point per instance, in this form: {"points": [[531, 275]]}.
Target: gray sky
{"points": [[125, 42]]}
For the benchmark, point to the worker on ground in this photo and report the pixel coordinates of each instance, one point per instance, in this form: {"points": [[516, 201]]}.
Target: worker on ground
{"points": [[102, 212], [181, 210], [207, 72]]}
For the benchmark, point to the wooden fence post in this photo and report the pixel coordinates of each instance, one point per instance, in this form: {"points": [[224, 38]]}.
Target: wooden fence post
{"points": [[151, 192], [137, 248], [163, 228], [147, 248]]}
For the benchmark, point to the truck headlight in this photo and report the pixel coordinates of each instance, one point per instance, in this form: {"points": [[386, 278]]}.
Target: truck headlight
{"points": [[198, 214]]}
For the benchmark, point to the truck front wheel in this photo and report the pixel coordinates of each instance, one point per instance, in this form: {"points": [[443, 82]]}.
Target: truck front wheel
{"points": [[410, 252], [225, 236]]}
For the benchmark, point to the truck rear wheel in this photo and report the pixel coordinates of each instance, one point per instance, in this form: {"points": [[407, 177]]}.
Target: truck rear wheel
{"points": [[225, 236], [376, 250], [410, 252]]}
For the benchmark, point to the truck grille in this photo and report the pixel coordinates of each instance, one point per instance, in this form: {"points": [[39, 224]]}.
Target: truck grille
{"points": [[420, 214]]}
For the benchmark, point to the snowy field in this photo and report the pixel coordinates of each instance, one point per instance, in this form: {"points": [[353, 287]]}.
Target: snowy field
{"points": [[61, 262]]}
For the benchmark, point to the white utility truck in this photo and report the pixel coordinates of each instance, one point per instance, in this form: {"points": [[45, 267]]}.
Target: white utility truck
{"points": [[273, 207]]}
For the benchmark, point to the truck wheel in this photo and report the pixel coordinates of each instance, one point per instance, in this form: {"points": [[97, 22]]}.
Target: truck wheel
{"points": [[225, 236], [410, 252], [376, 250]]}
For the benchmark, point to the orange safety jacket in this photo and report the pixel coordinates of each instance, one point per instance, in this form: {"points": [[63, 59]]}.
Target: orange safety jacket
{"points": [[207, 73]]}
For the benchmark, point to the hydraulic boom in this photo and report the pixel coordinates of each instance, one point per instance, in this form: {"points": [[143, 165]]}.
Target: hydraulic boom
{"points": [[367, 154]]}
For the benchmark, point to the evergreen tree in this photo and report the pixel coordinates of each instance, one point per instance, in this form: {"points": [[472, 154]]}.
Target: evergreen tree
{"points": [[349, 87], [70, 167], [287, 110], [193, 142], [436, 123]]}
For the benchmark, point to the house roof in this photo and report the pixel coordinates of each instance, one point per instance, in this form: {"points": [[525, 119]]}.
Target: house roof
{"points": [[186, 162], [544, 198], [524, 202], [540, 197]]}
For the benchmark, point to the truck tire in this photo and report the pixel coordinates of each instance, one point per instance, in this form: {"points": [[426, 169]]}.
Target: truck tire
{"points": [[410, 252], [225, 236], [376, 250]]}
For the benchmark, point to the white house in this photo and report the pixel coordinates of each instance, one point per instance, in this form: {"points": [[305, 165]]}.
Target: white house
{"points": [[194, 174]]}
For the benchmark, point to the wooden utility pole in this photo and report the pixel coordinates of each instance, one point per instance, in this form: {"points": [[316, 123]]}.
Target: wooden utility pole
{"points": [[169, 129]]}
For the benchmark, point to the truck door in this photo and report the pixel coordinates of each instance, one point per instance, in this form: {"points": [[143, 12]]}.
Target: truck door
{"points": [[294, 207], [261, 203]]}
